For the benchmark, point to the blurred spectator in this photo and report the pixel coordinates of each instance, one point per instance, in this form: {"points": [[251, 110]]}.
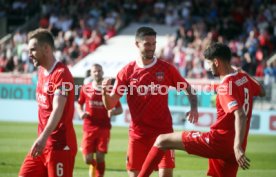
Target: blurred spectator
{"points": [[3, 62], [260, 70], [269, 73], [81, 26], [167, 52], [88, 78], [269, 79]]}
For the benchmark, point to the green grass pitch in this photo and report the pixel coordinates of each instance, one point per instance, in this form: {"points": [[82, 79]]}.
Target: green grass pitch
{"points": [[17, 138]]}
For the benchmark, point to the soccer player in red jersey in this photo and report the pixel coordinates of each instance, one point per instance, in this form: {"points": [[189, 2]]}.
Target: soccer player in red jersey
{"points": [[96, 125], [53, 152], [146, 81], [225, 144]]}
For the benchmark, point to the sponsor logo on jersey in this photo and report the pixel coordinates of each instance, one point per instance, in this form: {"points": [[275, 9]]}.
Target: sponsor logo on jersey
{"points": [[96, 104], [241, 81], [41, 98], [232, 104]]}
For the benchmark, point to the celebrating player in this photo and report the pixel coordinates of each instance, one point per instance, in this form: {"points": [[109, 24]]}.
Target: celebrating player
{"points": [[146, 82], [53, 152], [96, 126], [225, 143]]}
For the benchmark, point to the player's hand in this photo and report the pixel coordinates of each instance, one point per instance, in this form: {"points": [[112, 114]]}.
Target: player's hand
{"points": [[192, 116], [38, 147], [106, 85], [85, 115], [109, 113], [241, 159]]}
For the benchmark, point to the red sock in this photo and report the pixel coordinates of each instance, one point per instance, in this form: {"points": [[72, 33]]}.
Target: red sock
{"points": [[93, 162], [100, 168], [152, 160]]}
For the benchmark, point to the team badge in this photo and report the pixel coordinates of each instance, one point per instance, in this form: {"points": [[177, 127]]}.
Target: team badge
{"points": [[159, 76], [49, 88]]}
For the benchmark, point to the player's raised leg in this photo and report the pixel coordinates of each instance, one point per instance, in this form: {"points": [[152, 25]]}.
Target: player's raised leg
{"points": [[162, 143]]}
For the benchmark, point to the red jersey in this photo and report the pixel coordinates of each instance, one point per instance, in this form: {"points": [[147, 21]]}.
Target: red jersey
{"points": [[92, 98], [48, 82], [147, 96], [235, 91]]}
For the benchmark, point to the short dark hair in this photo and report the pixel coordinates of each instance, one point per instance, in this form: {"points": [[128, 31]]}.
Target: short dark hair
{"points": [[113, 81], [97, 65], [144, 31], [42, 36], [218, 50]]}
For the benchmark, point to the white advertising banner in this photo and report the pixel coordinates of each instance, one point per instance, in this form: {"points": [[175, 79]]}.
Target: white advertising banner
{"points": [[262, 122]]}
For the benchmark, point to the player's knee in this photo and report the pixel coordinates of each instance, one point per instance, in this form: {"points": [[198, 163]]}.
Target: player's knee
{"points": [[88, 160], [100, 157], [160, 141]]}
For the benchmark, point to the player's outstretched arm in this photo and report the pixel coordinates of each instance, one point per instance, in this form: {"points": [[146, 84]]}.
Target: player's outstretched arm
{"points": [[240, 130], [115, 111], [83, 114], [109, 99], [192, 115], [59, 102]]}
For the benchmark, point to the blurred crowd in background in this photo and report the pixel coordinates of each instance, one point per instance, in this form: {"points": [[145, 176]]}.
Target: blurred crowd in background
{"points": [[80, 26]]}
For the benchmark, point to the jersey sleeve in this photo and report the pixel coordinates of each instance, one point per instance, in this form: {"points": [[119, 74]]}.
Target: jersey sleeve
{"points": [[255, 87], [81, 99], [177, 80], [228, 98], [120, 83], [63, 82]]}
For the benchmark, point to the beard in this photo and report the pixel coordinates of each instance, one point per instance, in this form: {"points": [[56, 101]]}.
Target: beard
{"points": [[35, 63], [214, 71], [98, 79], [148, 55]]}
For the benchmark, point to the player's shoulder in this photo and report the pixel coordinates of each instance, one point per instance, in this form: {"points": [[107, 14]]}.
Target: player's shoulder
{"points": [[87, 87], [230, 77], [165, 65], [163, 62], [61, 69], [131, 64], [237, 78], [129, 67]]}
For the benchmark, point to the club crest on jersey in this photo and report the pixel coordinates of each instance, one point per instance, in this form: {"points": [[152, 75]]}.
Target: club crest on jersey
{"points": [[159, 76], [48, 87]]}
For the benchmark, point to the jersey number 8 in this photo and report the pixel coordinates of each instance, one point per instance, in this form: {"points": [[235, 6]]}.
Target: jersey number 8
{"points": [[246, 101]]}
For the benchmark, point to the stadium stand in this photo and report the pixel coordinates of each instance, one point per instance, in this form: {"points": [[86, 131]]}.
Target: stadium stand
{"points": [[80, 27]]}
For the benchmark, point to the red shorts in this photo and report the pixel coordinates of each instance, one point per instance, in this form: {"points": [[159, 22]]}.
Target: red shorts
{"points": [[95, 141], [52, 163], [138, 150], [221, 163]]}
